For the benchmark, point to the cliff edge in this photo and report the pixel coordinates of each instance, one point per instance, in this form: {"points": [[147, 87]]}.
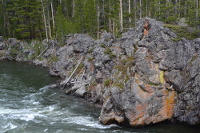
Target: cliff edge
{"points": [[144, 77]]}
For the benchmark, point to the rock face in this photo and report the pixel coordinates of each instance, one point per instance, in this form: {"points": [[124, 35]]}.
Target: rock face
{"points": [[141, 78], [143, 97]]}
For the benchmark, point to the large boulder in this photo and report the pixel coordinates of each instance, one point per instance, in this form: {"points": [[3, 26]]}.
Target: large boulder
{"points": [[166, 80]]}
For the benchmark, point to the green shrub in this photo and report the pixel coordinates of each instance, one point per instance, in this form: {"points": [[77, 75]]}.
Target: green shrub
{"points": [[109, 52], [107, 82], [13, 51], [90, 50], [53, 59], [120, 85], [103, 45], [181, 31], [90, 59]]}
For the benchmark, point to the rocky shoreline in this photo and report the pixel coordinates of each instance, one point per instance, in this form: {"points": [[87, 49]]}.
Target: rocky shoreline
{"points": [[139, 79]]}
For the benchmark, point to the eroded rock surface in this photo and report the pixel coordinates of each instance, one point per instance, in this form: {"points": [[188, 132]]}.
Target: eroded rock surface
{"points": [[141, 78]]}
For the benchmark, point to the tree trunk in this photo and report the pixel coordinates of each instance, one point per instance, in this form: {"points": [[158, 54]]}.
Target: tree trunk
{"points": [[129, 11], [109, 19], [103, 14], [179, 8], [49, 25], [185, 11], [73, 8], [113, 27], [146, 8], [53, 18], [98, 23], [197, 6], [68, 79], [175, 8], [135, 15], [45, 23], [159, 9], [140, 9], [121, 16]]}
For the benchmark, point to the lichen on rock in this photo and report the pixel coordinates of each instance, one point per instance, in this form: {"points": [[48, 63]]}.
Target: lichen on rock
{"points": [[138, 79]]}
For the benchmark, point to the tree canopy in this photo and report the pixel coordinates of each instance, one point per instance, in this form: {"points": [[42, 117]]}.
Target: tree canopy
{"points": [[39, 19]]}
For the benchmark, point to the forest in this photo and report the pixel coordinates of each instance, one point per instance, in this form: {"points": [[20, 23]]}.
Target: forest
{"points": [[53, 19]]}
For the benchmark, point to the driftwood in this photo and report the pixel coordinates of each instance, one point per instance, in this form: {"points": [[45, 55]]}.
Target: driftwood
{"points": [[68, 79], [42, 52]]}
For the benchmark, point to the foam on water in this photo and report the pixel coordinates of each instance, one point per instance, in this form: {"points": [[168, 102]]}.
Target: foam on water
{"points": [[27, 106], [88, 121], [8, 127], [30, 108]]}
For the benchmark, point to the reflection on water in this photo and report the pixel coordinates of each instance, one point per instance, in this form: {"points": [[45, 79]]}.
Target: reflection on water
{"points": [[27, 105]]}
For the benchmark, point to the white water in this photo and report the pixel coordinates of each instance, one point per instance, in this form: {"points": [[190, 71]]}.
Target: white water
{"points": [[27, 105], [29, 108]]}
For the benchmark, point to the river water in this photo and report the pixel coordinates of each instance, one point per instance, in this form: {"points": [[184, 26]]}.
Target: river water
{"points": [[27, 105]]}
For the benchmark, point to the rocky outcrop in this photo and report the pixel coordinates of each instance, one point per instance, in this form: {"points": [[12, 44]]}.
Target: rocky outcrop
{"points": [[142, 78]]}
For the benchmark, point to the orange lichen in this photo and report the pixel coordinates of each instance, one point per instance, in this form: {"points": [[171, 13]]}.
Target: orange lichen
{"points": [[168, 104], [146, 28], [145, 32], [146, 25], [138, 117], [91, 67]]}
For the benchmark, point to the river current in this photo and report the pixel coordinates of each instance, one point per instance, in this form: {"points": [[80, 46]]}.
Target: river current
{"points": [[27, 105]]}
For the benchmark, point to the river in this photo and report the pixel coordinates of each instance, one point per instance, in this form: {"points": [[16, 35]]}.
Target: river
{"points": [[27, 105]]}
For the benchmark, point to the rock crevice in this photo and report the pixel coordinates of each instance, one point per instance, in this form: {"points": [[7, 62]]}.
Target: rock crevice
{"points": [[144, 77]]}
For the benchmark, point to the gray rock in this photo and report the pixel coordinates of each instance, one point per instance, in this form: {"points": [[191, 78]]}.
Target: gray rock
{"points": [[138, 79], [2, 47]]}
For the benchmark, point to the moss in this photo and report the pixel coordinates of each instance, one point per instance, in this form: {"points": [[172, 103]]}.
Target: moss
{"points": [[94, 83], [107, 82], [109, 52], [112, 55], [176, 39], [193, 58], [13, 51], [120, 85], [125, 64], [61, 44], [121, 74], [91, 50], [90, 59], [181, 31], [162, 80], [103, 45], [53, 59], [80, 66], [152, 84], [40, 59]]}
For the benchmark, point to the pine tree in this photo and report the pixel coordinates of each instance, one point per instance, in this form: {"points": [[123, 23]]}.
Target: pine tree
{"points": [[90, 17], [78, 16], [1, 20], [60, 24], [24, 18]]}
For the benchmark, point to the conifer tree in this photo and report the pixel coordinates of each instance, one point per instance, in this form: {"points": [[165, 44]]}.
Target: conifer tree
{"points": [[60, 24], [28, 19], [1, 20], [25, 19], [90, 17]]}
